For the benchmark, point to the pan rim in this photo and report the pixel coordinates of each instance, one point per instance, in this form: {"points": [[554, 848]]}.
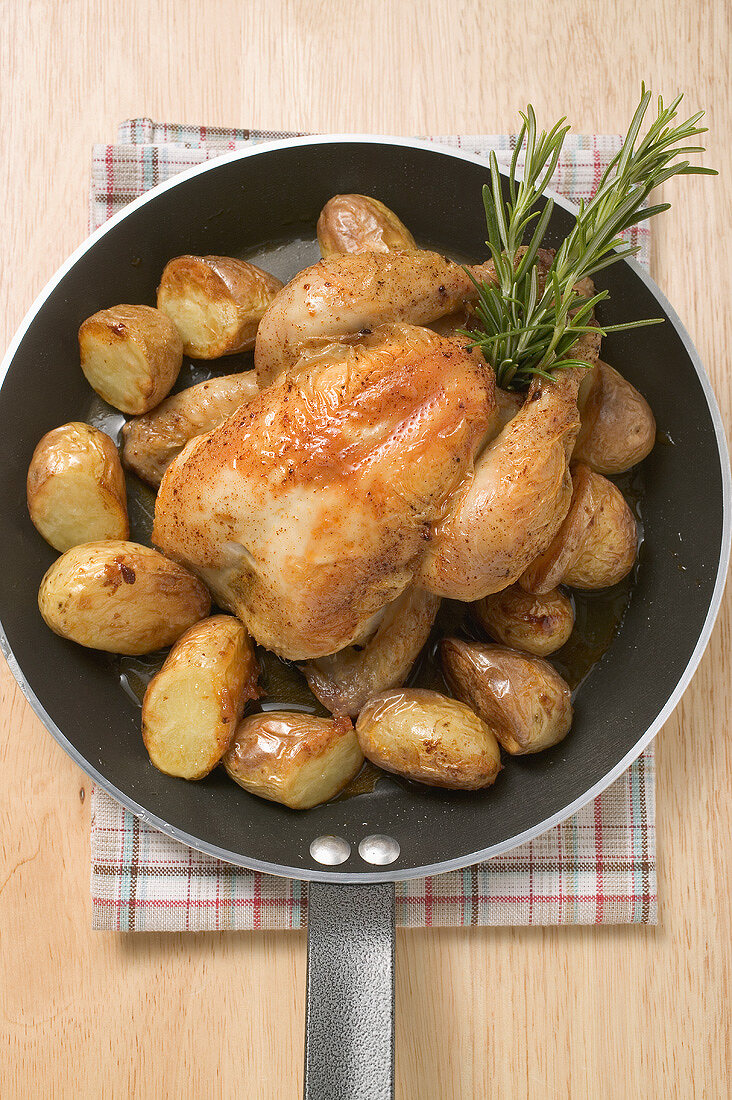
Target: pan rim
{"points": [[401, 874]]}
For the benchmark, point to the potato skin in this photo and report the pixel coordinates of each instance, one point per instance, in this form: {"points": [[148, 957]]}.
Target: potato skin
{"points": [[193, 705], [120, 597], [359, 223], [131, 356], [423, 735], [618, 428], [215, 302], [534, 624], [76, 488], [597, 543], [152, 441], [297, 759], [522, 698]]}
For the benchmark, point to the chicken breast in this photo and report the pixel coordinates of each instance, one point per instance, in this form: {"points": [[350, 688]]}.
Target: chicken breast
{"points": [[307, 511], [353, 292]]}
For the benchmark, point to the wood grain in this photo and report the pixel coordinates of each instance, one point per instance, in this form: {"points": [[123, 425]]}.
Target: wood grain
{"points": [[570, 1012]]}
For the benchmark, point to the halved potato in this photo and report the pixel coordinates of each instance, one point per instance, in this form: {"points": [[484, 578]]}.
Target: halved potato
{"points": [[522, 698], [120, 597], [535, 624], [426, 736], [76, 488], [192, 707], [617, 428], [597, 543], [358, 223], [297, 759], [131, 356], [215, 302], [152, 441]]}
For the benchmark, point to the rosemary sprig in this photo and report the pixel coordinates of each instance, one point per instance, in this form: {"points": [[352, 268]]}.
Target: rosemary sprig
{"points": [[526, 329]]}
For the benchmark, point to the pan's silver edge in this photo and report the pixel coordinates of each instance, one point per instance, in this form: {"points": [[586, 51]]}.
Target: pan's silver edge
{"points": [[395, 875]]}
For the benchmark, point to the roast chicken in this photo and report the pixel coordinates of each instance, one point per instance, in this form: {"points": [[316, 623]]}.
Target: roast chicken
{"points": [[377, 458]]}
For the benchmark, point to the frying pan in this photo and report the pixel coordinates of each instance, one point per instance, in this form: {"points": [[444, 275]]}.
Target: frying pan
{"points": [[273, 194]]}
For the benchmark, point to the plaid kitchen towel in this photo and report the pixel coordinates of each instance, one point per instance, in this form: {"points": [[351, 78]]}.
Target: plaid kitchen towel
{"points": [[598, 867]]}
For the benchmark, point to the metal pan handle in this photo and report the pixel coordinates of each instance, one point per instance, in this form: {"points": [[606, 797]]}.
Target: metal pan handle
{"points": [[349, 1025]]}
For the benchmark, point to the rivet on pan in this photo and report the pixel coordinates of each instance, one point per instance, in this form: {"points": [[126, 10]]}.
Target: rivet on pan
{"points": [[379, 849], [330, 849]]}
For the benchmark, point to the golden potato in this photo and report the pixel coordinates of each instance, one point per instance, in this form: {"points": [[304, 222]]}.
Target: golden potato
{"points": [[120, 597], [358, 223], [296, 759], [192, 707], [525, 702], [131, 356], [618, 428], [345, 681], [76, 488], [426, 736], [152, 441], [535, 624], [215, 302], [597, 543]]}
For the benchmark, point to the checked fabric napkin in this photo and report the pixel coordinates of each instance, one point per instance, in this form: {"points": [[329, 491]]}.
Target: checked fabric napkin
{"points": [[598, 867]]}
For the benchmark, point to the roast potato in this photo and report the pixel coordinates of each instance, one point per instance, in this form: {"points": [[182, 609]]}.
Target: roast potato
{"points": [[597, 543], [120, 597], [524, 701], [358, 223], [535, 624], [76, 488], [131, 356], [617, 428], [296, 759], [192, 707], [426, 736], [215, 302], [152, 441], [344, 681]]}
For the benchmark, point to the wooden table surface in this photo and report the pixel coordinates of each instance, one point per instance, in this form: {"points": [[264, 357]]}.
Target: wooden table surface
{"points": [[580, 1012]]}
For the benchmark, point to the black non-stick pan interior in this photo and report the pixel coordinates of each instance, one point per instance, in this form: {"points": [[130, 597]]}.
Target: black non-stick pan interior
{"points": [[233, 208]]}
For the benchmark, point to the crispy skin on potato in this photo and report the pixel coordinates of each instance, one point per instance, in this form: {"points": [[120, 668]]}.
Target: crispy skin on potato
{"points": [[120, 597], [358, 223], [426, 736], [215, 302], [597, 543], [532, 623], [522, 698], [192, 707], [76, 488], [617, 428], [131, 356], [152, 441], [296, 759]]}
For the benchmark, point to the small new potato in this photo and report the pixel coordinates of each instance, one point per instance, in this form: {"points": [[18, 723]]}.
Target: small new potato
{"points": [[617, 428], [192, 707], [76, 488], [152, 441], [358, 223], [535, 624], [521, 698], [131, 356], [120, 597], [297, 759], [597, 543], [215, 302], [423, 735]]}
